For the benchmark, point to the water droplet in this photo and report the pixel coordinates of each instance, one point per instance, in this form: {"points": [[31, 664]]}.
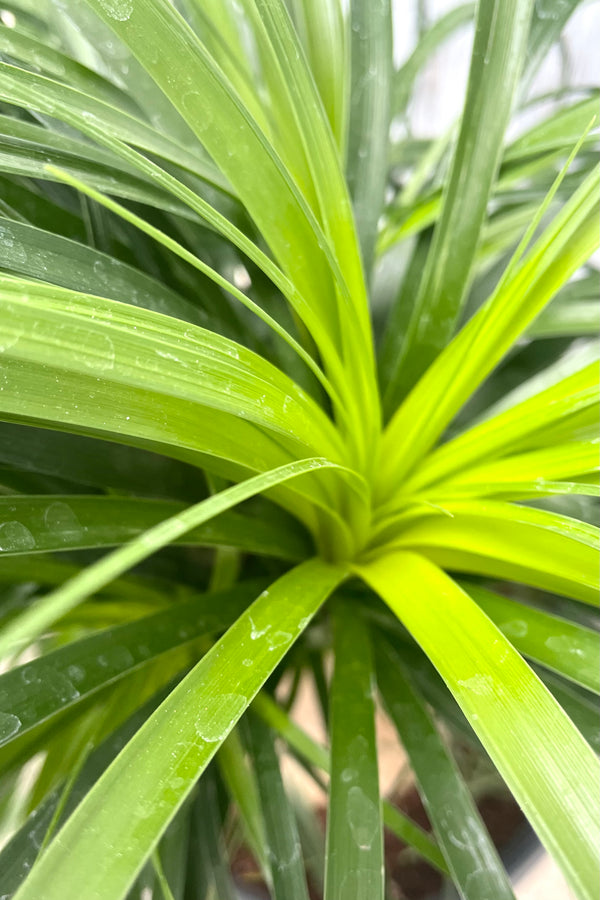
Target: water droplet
{"points": [[9, 726], [15, 537], [358, 748], [219, 714], [120, 10], [256, 633], [165, 355], [516, 628], [76, 673], [479, 684], [550, 9], [10, 20], [363, 817], [60, 518], [8, 340], [278, 639], [16, 255], [561, 643]]}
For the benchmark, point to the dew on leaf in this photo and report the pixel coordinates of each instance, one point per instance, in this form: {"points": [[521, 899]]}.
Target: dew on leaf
{"points": [[561, 643], [218, 715], [515, 628], [363, 817], [15, 537], [60, 519], [478, 684], [9, 726], [120, 10]]}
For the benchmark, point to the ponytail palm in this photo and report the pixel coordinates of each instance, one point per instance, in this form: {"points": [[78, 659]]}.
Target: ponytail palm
{"points": [[198, 202]]}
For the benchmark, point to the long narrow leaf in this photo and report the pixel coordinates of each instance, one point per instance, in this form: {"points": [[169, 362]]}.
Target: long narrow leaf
{"points": [[557, 779], [317, 756], [489, 537], [134, 801], [66, 522], [354, 854], [37, 691], [463, 365], [287, 870], [570, 649], [498, 54], [32, 623], [367, 146], [472, 858]]}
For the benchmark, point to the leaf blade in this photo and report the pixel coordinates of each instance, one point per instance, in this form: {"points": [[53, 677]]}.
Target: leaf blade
{"points": [[498, 55], [354, 849], [557, 799], [133, 802], [472, 858]]}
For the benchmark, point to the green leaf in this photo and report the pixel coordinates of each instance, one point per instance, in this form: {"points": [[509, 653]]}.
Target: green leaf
{"points": [[547, 23], [135, 589], [563, 128], [321, 27], [134, 801], [428, 43], [498, 54], [525, 490], [36, 620], [37, 524], [459, 369], [473, 861], [533, 468], [557, 779], [285, 856], [519, 426], [52, 63], [130, 387], [40, 254], [580, 706], [142, 369], [27, 149], [22, 88], [569, 649], [160, 876], [354, 851], [97, 464], [210, 858], [86, 37], [317, 756], [368, 127], [64, 738], [573, 312], [19, 854], [35, 692], [109, 334], [240, 781], [398, 318], [515, 543]]}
